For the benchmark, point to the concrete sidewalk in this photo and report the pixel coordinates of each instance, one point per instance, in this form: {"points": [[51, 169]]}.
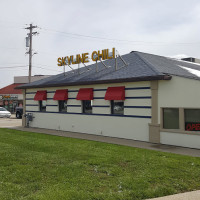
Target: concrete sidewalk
{"points": [[120, 141], [195, 195], [10, 122]]}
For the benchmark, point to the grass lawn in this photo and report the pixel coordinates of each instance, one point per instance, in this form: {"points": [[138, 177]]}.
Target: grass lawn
{"points": [[38, 166]]}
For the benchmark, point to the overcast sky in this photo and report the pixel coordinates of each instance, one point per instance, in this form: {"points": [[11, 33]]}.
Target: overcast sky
{"points": [[167, 28]]}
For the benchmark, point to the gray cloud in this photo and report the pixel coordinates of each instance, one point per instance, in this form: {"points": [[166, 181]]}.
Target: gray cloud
{"points": [[159, 26]]}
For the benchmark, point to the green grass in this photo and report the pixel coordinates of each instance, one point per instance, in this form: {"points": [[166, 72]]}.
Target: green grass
{"points": [[38, 166]]}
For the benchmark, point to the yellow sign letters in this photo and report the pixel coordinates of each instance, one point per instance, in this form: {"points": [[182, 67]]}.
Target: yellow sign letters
{"points": [[84, 57]]}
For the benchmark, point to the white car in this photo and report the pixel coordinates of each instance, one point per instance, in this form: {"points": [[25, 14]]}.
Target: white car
{"points": [[4, 113]]}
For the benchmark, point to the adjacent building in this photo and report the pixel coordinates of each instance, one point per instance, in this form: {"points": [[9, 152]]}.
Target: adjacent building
{"points": [[138, 96], [10, 97]]}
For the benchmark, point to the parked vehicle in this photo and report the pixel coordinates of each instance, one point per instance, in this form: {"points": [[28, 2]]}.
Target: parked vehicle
{"points": [[19, 112], [4, 113]]}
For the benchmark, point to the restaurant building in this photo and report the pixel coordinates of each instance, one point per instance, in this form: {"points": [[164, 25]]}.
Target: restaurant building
{"points": [[137, 96]]}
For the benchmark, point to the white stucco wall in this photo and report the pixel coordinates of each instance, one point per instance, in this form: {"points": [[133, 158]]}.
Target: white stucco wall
{"points": [[179, 92], [178, 139], [123, 127]]}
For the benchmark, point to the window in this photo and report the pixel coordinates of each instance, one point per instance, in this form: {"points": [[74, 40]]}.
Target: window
{"points": [[3, 109], [117, 107], [62, 106], [171, 118], [87, 106], [42, 105], [86, 96], [192, 119], [41, 97]]}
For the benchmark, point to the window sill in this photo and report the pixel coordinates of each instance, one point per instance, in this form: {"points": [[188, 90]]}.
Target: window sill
{"points": [[180, 131]]}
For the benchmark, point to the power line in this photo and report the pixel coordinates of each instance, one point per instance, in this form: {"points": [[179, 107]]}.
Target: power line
{"points": [[46, 68], [5, 26], [12, 67], [89, 36], [46, 65], [43, 52], [13, 22], [10, 48], [120, 40], [35, 66], [13, 64]]}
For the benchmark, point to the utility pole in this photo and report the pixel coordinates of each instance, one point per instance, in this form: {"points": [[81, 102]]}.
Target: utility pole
{"points": [[29, 44]]}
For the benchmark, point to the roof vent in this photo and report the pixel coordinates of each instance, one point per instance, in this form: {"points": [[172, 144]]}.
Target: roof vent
{"points": [[189, 59]]}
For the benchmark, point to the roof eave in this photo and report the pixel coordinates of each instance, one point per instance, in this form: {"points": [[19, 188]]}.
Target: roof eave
{"points": [[135, 79]]}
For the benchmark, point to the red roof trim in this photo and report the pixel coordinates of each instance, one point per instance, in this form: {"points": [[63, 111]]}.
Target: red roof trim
{"points": [[85, 94], [115, 93], [10, 89], [61, 95]]}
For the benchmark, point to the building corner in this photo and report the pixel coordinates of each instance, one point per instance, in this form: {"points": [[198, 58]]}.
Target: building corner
{"points": [[24, 108], [154, 127]]}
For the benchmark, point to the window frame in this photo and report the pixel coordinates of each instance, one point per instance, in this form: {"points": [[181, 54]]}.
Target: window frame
{"points": [[164, 119], [181, 129], [190, 122], [84, 106], [41, 107], [59, 106], [112, 102]]}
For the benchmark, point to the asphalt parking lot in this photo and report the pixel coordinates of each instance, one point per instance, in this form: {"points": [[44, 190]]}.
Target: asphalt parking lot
{"points": [[10, 122]]}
